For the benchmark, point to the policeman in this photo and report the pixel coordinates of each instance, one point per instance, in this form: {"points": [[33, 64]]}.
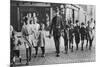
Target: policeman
{"points": [[56, 27], [83, 34], [77, 34]]}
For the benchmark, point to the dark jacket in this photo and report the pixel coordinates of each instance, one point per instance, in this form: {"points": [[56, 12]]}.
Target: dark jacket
{"points": [[83, 33]]}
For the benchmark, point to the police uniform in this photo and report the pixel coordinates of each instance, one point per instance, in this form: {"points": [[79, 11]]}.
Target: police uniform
{"points": [[56, 26]]}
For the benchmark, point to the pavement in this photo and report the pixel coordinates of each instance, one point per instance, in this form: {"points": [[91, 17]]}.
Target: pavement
{"points": [[50, 55]]}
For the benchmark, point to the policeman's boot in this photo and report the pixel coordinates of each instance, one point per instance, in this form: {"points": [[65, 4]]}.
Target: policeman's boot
{"points": [[57, 49], [43, 51], [57, 55], [57, 52]]}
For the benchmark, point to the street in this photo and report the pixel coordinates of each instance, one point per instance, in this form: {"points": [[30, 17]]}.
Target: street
{"points": [[50, 55]]}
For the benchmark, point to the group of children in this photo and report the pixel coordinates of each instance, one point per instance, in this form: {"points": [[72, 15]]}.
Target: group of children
{"points": [[32, 36]]}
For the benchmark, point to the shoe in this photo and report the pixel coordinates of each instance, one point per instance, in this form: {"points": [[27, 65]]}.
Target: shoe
{"points": [[35, 56], [30, 59], [57, 55], [27, 63], [82, 49], [66, 52], [89, 48], [71, 50], [43, 55], [76, 48]]}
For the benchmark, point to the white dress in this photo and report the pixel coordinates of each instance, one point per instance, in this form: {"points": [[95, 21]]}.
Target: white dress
{"points": [[36, 34], [26, 39]]}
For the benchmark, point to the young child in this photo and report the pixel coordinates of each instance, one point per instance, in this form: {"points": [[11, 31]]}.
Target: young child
{"points": [[41, 40]]}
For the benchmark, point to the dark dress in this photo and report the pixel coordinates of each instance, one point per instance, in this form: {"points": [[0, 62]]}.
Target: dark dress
{"points": [[83, 33], [77, 34]]}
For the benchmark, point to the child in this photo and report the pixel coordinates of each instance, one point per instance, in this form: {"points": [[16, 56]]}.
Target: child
{"points": [[16, 48], [41, 40]]}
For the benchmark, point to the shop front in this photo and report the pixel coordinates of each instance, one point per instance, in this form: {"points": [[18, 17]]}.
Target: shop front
{"points": [[20, 10]]}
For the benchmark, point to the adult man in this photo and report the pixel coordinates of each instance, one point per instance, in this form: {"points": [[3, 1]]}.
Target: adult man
{"points": [[56, 27]]}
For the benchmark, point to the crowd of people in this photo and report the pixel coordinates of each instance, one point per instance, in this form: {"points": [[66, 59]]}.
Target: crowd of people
{"points": [[33, 35]]}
